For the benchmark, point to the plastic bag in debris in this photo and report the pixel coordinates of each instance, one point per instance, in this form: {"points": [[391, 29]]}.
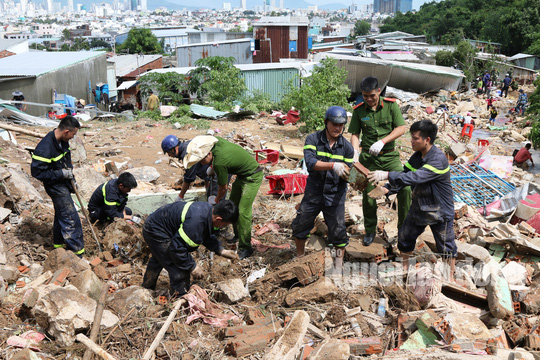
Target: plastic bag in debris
{"points": [[400, 94], [423, 283]]}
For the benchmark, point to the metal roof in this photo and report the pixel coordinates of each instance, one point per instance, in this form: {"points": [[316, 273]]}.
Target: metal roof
{"points": [[396, 55], [215, 42], [282, 21], [520, 56], [128, 63], [42, 62], [7, 43], [126, 85], [173, 32], [243, 67]]}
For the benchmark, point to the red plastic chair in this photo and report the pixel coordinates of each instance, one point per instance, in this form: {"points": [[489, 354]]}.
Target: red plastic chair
{"points": [[467, 130], [483, 143]]}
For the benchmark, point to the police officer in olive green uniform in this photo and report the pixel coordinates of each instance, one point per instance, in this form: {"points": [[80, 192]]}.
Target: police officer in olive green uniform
{"points": [[380, 122]]}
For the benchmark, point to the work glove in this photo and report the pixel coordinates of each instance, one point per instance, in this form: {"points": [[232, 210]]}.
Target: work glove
{"points": [[67, 174], [198, 272], [377, 175], [376, 148], [229, 254], [212, 200], [210, 171], [179, 198], [136, 219], [340, 169], [356, 156]]}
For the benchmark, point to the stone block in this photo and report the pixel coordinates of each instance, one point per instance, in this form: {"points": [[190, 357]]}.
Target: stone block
{"points": [[251, 341], [498, 294], [59, 277], [322, 291], [375, 252], [145, 173], [88, 283], [30, 298], [10, 274], [61, 258], [331, 349], [101, 272], [232, 290], [63, 312], [531, 304], [25, 354], [123, 300], [478, 253]]}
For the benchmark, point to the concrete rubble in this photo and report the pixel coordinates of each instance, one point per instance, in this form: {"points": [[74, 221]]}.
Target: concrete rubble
{"points": [[289, 307]]}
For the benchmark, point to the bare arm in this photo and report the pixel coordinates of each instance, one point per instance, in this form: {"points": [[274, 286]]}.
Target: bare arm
{"points": [[355, 141], [323, 166], [222, 190], [185, 187]]}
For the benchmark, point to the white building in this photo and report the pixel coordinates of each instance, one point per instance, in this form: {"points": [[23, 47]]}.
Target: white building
{"points": [[227, 6], [144, 5]]}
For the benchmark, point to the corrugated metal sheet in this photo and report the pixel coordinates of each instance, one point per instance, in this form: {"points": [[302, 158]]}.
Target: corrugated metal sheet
{"points": [[418, 78], [271, 81], [41, 62], [127, 63], [239, 49], [302, 42]]}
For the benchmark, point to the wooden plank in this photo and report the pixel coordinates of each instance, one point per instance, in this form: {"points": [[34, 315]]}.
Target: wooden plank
{"points": [[293, 152]]}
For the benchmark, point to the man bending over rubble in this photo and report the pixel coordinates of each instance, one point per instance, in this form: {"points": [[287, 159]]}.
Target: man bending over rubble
{"points": [[227, 159], [428, 174], [175, 230], [328, 156], [51, 164], [109, 200]]}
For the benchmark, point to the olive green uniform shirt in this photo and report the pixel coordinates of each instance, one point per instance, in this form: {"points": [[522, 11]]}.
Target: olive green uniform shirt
{"points": [[375, 125], [231, 159]]}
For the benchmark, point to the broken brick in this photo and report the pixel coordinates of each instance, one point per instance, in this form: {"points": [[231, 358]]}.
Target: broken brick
{"points": [[107, 256], [517, 328], [115, 262], [251, 341], [96, 261], [101, 272], [59, 277], [364, 346], [531, 304], [23, 269], [20, 284]]}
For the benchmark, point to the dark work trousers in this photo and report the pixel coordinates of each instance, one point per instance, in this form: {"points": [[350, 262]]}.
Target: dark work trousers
{"points": [[443, 233], [67, 228], [179, 279]]}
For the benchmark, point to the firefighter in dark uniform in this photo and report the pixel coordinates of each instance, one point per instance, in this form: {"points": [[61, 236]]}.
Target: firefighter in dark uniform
{"points": [[109, 200], [51, 164], [328, 156], [175, 230], [428, 173], [173, 147], [380, 122]]}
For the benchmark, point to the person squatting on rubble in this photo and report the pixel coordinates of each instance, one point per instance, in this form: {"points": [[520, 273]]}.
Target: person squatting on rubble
{"points": [[174, 230], [109, 200], [328, 156], [522, 102], [380, 122], [173, 147], [428, 173], [226, 158], [51, 164], [521, 157]]}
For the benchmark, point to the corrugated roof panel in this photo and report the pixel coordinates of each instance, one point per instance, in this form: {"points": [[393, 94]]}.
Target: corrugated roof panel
{"points": [[272, 81], [42, 62], [128, 63]]}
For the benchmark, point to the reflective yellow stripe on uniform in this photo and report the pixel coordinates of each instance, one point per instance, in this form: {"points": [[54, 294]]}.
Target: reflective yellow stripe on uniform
{"points": [[337, 157], [39, 158], [435, 170], [409, 166], [56, 246], [79, 252], [310, 147], [181, 231], [109, 203]]}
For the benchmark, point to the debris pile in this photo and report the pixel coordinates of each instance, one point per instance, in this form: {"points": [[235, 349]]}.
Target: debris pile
{"points": [[274, 305]]}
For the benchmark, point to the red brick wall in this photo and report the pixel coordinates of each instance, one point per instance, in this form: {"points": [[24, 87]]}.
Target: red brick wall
{"points": [[5, 53]]}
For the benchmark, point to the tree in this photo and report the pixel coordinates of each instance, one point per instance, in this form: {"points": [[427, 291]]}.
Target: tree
{"points": [[66, 35], [361, 27], [217, 79], [141, 41], [167, 86], [324, 88]]}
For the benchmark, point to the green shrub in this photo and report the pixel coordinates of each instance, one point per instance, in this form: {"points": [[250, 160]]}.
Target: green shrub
{"points": [[257, 102], [324, 88]]}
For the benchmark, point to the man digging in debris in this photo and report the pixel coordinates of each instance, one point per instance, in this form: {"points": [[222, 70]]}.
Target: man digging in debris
{"points": [[173, 147], [428, 173], [328, 156], [227, 159], [51, 164], [175, 230], [109, 200], [380, 122]]}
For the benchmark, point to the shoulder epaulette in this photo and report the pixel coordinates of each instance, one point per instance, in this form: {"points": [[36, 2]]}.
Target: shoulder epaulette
{"points": [[390, 99], [354, 107]]}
